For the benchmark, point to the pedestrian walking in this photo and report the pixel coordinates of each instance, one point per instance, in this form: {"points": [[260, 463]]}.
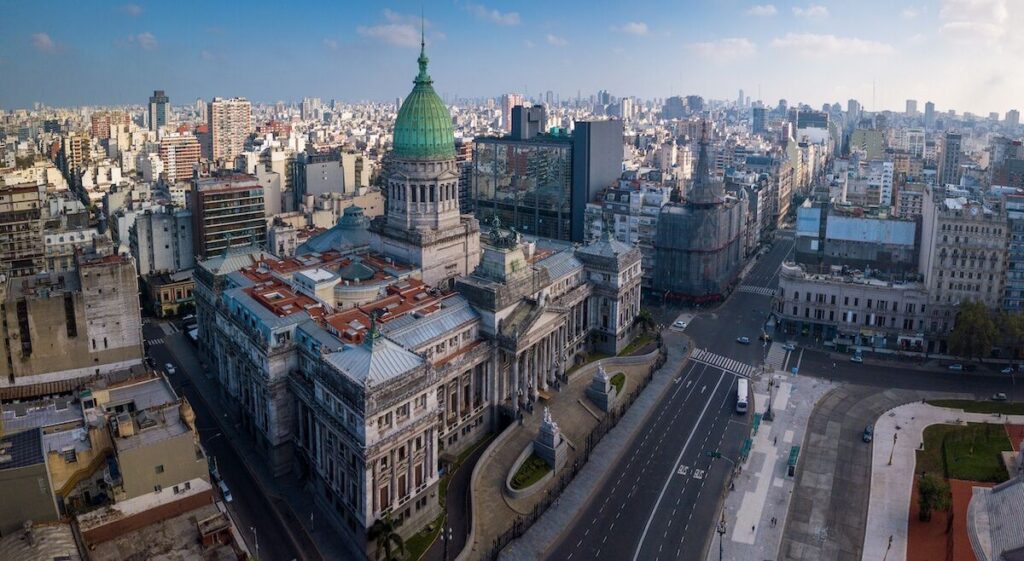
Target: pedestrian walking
{"points": [[752, 528], [775, 442]]}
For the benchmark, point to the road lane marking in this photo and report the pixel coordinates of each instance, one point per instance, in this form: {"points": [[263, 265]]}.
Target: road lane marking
{"points": [[668, 479]]}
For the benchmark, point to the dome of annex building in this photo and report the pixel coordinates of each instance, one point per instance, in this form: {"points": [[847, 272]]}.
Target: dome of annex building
{"points": [[423, 128]]}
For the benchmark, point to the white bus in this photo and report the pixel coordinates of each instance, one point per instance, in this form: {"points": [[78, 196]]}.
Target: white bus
{"points": [[741, 396]]}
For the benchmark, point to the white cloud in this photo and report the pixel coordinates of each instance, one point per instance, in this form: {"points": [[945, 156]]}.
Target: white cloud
{"points": [[330, 44], [910, 13], [761, 10], [146, 40], [528, 44], [813, 11], [637, 28], [43, 43], [725, 49], [812, 45], [968, 21], [556, 41], [133, 10], [492, 15], [400, 30]]}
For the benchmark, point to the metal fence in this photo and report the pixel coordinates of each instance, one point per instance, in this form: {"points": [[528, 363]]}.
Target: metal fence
{"points": [[523, 523]]}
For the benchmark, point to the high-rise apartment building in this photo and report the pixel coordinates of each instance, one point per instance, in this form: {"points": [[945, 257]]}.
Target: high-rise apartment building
{"points": [[911, 108], [228, 211], [949, 160], [230, 122], [161, 242], [1013, 118], [159, 110], [21, 222], [508, 101], [101, 121], [929, 114], [180, 153]]}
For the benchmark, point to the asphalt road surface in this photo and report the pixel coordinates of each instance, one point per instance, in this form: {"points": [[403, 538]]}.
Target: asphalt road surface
{"points": [[249, 508]]}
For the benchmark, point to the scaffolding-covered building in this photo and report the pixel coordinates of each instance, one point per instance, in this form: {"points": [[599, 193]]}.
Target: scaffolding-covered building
{"points": [[700, 239]]}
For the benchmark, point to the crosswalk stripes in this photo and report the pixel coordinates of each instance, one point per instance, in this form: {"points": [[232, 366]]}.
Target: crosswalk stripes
{"points": [[762, 290], [776, 356], [723, 362], [157, 341]]}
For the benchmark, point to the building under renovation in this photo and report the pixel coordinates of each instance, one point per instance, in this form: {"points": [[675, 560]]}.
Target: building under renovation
{"points": [[700, 238]]}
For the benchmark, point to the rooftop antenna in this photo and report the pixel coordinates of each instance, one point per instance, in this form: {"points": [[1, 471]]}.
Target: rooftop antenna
{"points": [[423, 33]]}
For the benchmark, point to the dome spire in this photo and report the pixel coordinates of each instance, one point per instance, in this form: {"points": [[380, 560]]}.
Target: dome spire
{"points": [[423, 77]]}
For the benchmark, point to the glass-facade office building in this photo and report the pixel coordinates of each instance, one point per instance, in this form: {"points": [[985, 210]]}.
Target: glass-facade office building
{"points": [[526, 183]]}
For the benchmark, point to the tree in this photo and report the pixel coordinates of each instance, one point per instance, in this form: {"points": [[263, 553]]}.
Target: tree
{"points": [[1011, 331], [974, 333], [932, 495], [645, 320], [383, 533]]}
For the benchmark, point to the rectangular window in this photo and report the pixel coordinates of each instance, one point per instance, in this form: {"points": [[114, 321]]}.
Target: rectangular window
{"points": [[160, 468]]}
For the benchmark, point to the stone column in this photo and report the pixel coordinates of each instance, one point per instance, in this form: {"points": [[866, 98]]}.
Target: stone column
{"points": [[545, 370], [515, 383], [535, 375]]}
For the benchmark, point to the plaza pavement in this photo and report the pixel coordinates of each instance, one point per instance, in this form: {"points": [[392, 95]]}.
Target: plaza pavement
{"points": [[762, 488], [891, 485]]}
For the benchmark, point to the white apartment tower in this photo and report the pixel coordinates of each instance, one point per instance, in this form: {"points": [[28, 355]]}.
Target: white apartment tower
{"points": [[230, 122]]}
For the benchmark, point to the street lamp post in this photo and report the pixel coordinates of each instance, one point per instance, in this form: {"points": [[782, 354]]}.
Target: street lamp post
{"points": [[769, 414], [446, 535], [255, 541], [886, 549], [894, 435], [721, 535]]}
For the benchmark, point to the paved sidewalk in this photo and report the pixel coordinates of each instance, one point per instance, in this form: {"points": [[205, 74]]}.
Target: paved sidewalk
{"points": [[294, 504], [545, 533], [762, 488], [891, 485]]}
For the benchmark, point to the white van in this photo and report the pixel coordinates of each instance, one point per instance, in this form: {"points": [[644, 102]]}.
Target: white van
{"points": [[742, 391]]}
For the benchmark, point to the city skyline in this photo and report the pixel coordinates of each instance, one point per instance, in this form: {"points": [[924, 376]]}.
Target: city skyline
{"points": [[116, 53]]}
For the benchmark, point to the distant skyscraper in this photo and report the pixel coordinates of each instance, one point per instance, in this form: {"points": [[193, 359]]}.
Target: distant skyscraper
{"points": [[911, 108], [230, 122], [1013, 117], [201, 109], [739, 101], [311, 107], [853, 110], [159, 110], [783, 107], [508, 101], [929, 114], [759, 120], [949, 172]]}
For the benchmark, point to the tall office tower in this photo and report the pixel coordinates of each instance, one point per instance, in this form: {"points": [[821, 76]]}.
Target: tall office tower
{"points": [[549, 98], [228, 211], [739, 101], [508, 101], [626, 107], [929, 114], [1013, 118], [159, 110], [853, 112], [230, 122], [949, 170], [311, 107], [201, 109], [528, 122], [179, 152], [911, 108], [759, 120], [783, 107]]}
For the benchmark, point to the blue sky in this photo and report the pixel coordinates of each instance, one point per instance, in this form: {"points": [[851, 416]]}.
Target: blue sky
{"points": [[961, 54]]}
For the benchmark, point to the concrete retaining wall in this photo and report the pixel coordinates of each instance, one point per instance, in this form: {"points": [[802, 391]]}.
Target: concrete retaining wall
{"points": [[474, 482], [611, 362], [527, 491]]}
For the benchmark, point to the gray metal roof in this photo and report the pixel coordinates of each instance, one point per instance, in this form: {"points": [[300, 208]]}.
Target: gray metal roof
{"points": [[373, 363], [18, 417], [606, 247], [234, 259], [412, 332], [560, 264]]}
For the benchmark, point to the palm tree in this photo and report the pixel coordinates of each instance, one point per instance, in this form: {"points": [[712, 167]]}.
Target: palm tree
{"points": [[387, 539]]}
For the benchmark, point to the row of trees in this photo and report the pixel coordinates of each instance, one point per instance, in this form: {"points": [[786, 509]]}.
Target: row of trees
{"points": [[978, 330]]}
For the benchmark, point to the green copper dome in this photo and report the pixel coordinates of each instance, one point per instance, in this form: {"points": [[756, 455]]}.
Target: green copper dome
{"points": [[423, 129]]}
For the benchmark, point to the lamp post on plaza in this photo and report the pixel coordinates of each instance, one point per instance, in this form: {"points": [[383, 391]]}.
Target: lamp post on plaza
{"points": [[721, 534], [894, 435]]}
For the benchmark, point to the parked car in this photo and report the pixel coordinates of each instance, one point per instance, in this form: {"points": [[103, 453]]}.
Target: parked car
{"points": [[857, 358], [789, 347], [999, 397], [1007, 370], [869, 434], [743, 340], [225, 492], [169, 368], [958, 367], [679, 324]]}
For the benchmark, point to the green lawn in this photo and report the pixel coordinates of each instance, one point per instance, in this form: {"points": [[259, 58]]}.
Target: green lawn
{"points": [[637, 344], [417, 545], [970, 452], [1004, 407], [618, 381], [530, 472]]}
